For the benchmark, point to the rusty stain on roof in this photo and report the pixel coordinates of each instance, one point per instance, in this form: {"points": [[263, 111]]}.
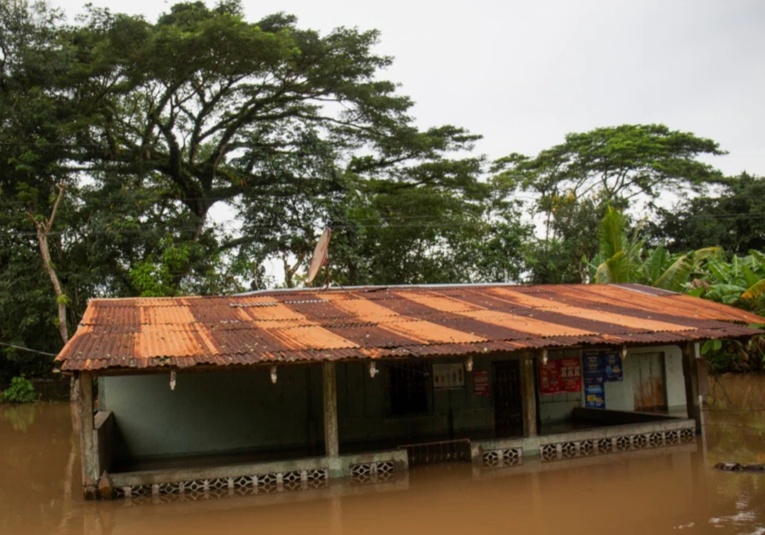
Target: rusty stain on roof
{"points": [[119, 335]]}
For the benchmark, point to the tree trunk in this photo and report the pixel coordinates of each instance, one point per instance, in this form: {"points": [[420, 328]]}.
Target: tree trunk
{"points": [[43, 231]]}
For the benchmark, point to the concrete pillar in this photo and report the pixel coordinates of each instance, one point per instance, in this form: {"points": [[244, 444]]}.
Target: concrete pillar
{"points": [[88, 448], [331, 441], [691, 376], [529, 396]]}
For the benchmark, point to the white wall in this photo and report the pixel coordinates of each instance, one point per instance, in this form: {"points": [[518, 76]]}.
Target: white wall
{"points": [[620, 395]]}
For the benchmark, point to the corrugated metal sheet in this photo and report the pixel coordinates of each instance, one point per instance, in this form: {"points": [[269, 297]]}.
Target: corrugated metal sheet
{"points": [[376, 322]]}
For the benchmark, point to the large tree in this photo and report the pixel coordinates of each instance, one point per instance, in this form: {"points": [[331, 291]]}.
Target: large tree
{"points": [[573, 183], [37, 119], [205, 108], [147, 127], [733, 218]]}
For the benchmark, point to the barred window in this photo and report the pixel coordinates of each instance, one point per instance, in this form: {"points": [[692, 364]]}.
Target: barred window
{"points": [[408, 387]]}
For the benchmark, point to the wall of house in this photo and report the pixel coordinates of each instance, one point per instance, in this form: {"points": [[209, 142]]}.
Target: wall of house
{"points": [[645, 371], [556, 408], [230, 411], [215, 412], [640, 375], [222, 412], [365, 416]]}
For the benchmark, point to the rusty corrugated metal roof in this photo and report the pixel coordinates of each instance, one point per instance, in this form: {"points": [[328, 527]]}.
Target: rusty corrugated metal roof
{"points": [[379, 322]]}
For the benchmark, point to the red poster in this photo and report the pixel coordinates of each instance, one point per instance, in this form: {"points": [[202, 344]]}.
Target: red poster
{"points": [[570, 375], [480, 383], [549, 377], [560, 375]]}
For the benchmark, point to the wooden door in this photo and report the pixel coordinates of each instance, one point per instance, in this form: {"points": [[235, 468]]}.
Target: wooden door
{"points": [[508, 404], [650, 383]]}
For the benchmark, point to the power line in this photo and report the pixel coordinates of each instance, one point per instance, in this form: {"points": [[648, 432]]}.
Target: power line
{"points": [[28, 349]]}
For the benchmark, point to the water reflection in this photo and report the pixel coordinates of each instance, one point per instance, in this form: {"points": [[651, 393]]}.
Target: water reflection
{"points": [[652, 491], [19, 416]]}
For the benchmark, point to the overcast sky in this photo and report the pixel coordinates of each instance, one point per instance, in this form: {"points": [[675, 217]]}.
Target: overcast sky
{"points": [[523, 74]]}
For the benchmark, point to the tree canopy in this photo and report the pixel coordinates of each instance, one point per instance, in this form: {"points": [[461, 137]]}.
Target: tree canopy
{"points": [[123, 140]]}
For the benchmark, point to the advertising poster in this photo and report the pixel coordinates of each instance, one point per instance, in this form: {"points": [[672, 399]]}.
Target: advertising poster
{"points": [[570, 375], [480, 383], [448, 376], [593, 373], [611, 364], [594, 396], [549, 377]]}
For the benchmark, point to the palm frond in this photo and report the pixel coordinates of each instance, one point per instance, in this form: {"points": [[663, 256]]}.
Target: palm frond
{"points": [[755, 290]]}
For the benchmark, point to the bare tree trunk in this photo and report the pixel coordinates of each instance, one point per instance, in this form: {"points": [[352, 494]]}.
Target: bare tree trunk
{"points": [[43, 231]]}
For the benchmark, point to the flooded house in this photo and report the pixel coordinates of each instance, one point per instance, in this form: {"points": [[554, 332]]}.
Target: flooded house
{"points": [[293, 387]]}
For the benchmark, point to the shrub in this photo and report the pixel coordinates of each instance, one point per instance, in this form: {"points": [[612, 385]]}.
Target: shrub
{"points": [[21, 391]]}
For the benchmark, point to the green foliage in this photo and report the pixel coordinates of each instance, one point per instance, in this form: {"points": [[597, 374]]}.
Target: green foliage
{"points": [[615, 163], [21, 390], [574, 183], [733, 219], [624, 258], [735, 355], [739, 281]]}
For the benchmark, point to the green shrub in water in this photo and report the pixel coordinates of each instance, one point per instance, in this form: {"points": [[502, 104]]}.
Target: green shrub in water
{"points": [[21, 391]]}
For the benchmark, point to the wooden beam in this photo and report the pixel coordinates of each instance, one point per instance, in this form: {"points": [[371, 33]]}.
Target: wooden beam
{"points": [[331, 440], [88, 448], [691, 376], [529, 396]]}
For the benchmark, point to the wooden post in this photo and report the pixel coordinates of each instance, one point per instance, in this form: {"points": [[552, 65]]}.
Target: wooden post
{"points": [[691, 375], [529, 396], [331, 441], [87, 437]]}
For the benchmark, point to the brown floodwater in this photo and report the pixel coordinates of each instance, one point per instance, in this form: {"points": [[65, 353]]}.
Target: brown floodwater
{"points": [[652, 491]]}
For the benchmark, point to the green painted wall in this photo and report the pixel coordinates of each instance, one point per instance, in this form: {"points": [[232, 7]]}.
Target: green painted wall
{"points": [[215, 412], [232, 411], [364, 409], [241, 410]]}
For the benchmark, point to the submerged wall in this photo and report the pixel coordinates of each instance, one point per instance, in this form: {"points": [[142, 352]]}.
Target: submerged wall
{"points": [[230, 411], [241, 410], [652, 380], [214, 412], [365, 410], [651, 375]]}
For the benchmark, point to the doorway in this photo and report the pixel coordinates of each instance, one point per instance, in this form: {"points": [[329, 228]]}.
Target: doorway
{"points": [[508, 405]]}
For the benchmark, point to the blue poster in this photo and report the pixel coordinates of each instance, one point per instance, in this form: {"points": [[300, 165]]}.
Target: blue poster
{"points": [[594, 396], [593, 371], [611, 364]]}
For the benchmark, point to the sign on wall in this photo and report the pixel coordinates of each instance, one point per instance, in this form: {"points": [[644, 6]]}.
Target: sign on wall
{"points": [[480, 383], [549, 377], [448, 376], [602, 366], [612, 366], [595, 396], [571, 375], [560, 376]]}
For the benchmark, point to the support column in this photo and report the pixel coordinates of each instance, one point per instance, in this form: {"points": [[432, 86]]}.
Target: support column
{"points": [[331, 441], [691, 376], [87, 436], [529, 396]]}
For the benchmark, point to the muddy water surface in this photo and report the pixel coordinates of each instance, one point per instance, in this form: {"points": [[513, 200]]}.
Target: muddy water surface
{"points": [[653, 491]]}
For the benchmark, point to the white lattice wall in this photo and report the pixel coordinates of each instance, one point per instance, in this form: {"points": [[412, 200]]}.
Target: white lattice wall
{"points": [[555, 451], [241, 485]]}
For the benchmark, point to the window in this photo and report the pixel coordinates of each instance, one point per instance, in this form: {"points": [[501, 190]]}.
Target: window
{"points": [[408, 387]]}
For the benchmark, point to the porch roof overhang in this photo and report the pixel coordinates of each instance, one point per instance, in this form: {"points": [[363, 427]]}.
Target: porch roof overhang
{"points": [[288, 326]]}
